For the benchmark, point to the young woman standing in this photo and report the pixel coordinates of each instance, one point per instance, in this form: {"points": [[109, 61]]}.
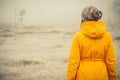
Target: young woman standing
{"points": [[92, 54]]}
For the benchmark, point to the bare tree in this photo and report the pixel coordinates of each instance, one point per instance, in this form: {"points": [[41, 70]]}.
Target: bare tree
{"points": [[21, 16]]}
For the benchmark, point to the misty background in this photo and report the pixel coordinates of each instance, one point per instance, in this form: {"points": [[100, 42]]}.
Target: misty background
{"points": [[36, 35], [55, 12]]}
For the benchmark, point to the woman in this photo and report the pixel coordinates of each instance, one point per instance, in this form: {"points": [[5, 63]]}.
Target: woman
{"points": [[92, 54]]}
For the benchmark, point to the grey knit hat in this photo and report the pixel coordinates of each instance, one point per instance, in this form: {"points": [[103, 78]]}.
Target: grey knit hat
{"points": [[91, 13]]}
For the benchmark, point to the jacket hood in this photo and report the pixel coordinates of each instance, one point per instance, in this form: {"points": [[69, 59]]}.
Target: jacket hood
{"points": [[93, 29]]}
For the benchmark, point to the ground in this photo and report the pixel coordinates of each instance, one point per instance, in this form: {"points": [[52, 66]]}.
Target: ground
{"points": [[38, 53]]}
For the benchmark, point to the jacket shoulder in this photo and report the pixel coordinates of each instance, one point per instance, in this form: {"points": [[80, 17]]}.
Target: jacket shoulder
{"points": [[107, 34], [77, 34], [108, 37]]}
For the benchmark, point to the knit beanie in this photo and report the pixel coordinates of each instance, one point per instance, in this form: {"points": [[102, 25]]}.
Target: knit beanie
{"points": [[91, 13]]}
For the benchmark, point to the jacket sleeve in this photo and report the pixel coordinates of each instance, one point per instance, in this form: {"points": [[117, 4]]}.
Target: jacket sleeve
{"points": [[110, 61], [74, 59]]}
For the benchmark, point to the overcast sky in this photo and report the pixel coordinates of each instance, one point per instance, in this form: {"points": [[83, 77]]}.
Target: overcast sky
{"points": [[48, 12]]}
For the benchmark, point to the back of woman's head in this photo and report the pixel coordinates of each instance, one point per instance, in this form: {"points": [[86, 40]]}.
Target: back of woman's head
{"points": [[91, 13]]}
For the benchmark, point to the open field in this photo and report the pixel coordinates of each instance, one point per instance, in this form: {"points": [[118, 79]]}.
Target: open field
{"points": [[39, 53]]}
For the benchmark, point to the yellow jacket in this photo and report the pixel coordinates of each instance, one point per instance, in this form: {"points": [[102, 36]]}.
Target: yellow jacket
{"points": [[92, 54]]}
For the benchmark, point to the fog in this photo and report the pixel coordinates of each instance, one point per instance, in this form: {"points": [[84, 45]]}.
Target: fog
{"points": [[51, 12], [36, 35]]}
